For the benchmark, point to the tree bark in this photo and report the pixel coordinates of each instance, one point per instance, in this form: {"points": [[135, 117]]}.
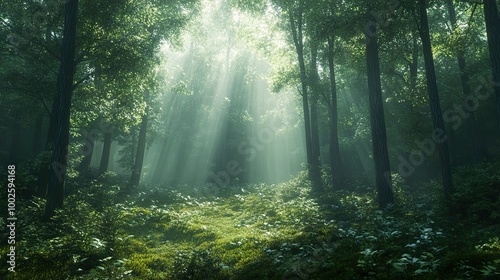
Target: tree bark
{"points": [[37, 135], [44, 169], [15, 144], [315, 145], [106, 151], [55, 190], [315, 88], [89, 150], [335, 159], [464, 78], [437, 116], [493, 32], [299, 46], [414, 63], [141, 149], [377, 120]]}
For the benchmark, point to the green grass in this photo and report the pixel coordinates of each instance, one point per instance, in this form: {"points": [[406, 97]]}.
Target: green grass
{"points": [[254, 232]]}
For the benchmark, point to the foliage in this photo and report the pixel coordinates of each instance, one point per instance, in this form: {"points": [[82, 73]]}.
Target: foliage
{"points": [[208, 104], [477, 197], [256, 232], [197, 265]]}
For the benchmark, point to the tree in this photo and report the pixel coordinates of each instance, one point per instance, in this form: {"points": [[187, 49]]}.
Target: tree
{"points": [[324, 27], [493, 32], [55, 191], [335, 159], [141, 143], [141, 148], [296, 21], [106, 152], [315, 92], [465, 81], [377, 120], [103, 48], [439, 136]]}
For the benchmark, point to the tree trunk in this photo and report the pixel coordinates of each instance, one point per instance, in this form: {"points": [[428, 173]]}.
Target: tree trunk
{"points": [[44, 168], [297, 37], [315, 91], [335, 159], [464, 78], [141, 149], [299, 46], [89, 150], [315, 147], [106, 151], [439, 136], [55, 190], [15, 146], [161, 166], [133, 148], [414, 64], [37, 135], [493, 32], [377, 121]]}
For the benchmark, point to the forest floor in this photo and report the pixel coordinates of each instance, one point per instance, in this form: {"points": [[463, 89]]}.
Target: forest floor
{"points": [[261, 232]]}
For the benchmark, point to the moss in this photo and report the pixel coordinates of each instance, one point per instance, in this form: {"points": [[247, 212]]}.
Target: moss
{"points": [[264, 232], [150, 266], [254, 265]]}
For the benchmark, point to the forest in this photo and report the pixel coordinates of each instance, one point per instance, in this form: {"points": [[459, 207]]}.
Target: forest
{"points": [[250, 139]]}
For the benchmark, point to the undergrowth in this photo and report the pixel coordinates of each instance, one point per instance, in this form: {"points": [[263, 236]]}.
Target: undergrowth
{"points": [[262, 232]]}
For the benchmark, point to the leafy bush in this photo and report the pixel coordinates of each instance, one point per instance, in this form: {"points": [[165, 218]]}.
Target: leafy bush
{"points": [[197, 265], [260, 232], [477, 195]]}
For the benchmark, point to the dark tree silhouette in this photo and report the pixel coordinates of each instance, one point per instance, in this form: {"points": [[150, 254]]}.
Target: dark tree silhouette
{"points": [[377, 120], [439, 134], [55, 191], [493, 32]]}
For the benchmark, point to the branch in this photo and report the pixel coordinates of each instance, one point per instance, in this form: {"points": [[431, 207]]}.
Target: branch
{"points": [[327, 100], [300, 92], [79, 82], [45, 106]]}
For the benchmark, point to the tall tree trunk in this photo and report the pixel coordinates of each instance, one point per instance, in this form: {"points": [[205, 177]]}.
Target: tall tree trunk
{"points": [[161, 165], [439, 136], [141, 149], [106, 151], [299, 46], [493, 32], [377, 120], [15, 144], [37, 135], [89, 150], [315, 147], [44, 168], [413, 69], [43, 178], [335, 159], [55, 191], [315, 91], [133, 148], [414, 63], [464, 78]]}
